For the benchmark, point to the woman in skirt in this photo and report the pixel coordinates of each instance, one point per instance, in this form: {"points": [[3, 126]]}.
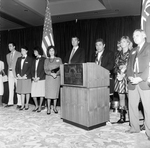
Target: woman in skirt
{"points": [[23, 72], [38, 79], [52, 81]]}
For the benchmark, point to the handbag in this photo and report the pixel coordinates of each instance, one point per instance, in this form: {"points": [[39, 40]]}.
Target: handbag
{"points": [[4, 78], [55, 70]]}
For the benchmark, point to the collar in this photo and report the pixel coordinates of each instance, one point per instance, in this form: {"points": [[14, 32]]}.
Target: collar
{"points": [[13, 52], [99, 52], [24, 57], [38, 57], [76, 47]]}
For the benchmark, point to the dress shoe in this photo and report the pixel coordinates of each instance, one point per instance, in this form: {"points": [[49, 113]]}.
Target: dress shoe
{"points": [[34, 110], [18, 107], [21, 108], [8, 105], [39, 110], [48, 112], [142, 127], [26, 107], [43, 107], [55, 111], [147, 136]]}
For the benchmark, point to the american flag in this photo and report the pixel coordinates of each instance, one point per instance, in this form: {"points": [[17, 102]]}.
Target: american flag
{"points": [[47, 30], [145, 18]]}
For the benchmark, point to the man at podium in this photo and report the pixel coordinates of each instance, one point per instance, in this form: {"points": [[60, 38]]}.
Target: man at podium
{"points": [[77, 54], [104, 58]]}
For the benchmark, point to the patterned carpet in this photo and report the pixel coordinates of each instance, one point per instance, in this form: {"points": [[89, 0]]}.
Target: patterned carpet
{"points": [[26, 129]]}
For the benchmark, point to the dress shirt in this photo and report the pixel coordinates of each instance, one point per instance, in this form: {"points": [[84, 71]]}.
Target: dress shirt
{"points": [[99, 56], [73, 52], [22, 61]]}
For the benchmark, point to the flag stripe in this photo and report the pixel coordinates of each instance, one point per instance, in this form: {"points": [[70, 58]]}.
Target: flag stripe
{"points": [[47, 39], [44, 49], [52, 39]]}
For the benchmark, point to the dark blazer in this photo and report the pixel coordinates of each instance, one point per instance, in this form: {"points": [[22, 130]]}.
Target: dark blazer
{"points": [[78, 57], [144, 59], [26, 67], [40, 68], [107, 60]]}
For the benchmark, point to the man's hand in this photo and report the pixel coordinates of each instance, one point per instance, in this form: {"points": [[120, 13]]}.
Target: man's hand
{"points": [[18, 76], [135, 80], [54, 75]]}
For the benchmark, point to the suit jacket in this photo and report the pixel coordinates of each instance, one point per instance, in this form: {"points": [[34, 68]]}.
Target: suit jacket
{"points": [[14, 60], [40, 68], [26, 67], [78, 57], [107, 59], [144, 60]]}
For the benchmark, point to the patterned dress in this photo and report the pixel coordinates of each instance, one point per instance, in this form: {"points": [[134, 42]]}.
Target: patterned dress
{"points": [[121, 59]]}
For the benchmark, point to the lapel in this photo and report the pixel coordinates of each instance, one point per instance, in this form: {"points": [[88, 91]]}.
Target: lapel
{"points": [[142, 49], [104, 54], [39, 63], [76, 53], [15, 54], [26, 59]]}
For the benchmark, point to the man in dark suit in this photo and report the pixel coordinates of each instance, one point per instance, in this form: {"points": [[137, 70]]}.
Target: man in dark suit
{"points": [[138, 74], [77, 54], [104, 58]]}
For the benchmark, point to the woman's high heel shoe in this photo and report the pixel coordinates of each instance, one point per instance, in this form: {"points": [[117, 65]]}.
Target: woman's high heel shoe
{"points": [[21, 108], [34, 110], [39, 110], [55, 111], [48, 112]]}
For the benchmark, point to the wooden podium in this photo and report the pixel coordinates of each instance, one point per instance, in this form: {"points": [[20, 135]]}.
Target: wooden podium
{"points": [[84, 95]]}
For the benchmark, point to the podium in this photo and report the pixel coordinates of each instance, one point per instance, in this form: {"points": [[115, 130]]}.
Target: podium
{"points": [[84, 95]]}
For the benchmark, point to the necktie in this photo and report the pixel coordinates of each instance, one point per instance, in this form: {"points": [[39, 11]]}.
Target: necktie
{"points": [[98, 58], [136, 62], [11, 59], [22, 57], [11, 56], [71, 55], [37, 58]]}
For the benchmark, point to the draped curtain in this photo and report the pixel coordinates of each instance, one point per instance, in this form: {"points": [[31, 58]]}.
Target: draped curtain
{"points": [[109, 29]]}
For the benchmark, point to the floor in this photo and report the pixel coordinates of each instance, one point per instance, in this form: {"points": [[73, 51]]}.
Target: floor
{"points": [[27, 129]]}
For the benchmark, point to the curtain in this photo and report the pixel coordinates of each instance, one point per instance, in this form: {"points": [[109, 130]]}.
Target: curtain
{"points": [[109, 29]]}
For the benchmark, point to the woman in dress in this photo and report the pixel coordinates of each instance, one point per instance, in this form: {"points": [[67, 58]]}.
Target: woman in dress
{"points": [[38, 79], [2, 73], [23, 73], [121, 60], [52, 81]]}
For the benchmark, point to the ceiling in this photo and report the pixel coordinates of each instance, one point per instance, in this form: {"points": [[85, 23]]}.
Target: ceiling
{"points": [[15, 14]]}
